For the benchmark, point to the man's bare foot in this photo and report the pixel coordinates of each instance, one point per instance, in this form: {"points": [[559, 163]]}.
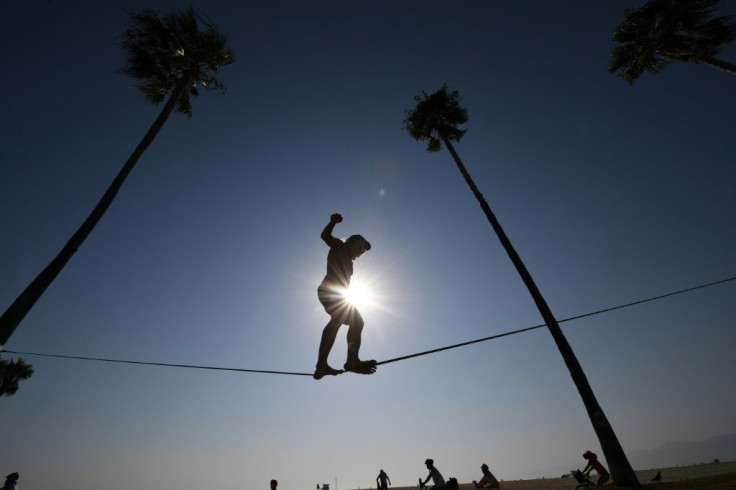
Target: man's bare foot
{"points": [[361, 367], [325, 370]]}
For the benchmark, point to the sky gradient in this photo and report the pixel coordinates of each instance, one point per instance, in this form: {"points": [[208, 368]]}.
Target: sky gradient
{"points": [[211, 252]]}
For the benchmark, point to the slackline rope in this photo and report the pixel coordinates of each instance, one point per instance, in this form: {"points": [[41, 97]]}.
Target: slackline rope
{"points": [[462, 344]]}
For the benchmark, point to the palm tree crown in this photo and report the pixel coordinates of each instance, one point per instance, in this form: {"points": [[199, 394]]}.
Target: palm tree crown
{"points": [[164, 51], [436, 117], [663, 31], [11, 373]]}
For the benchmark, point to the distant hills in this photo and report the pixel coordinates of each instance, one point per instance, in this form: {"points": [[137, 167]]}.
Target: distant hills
{"points": [[722, 448]]}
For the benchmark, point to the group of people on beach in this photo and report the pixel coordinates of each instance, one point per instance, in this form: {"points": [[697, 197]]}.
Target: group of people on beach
{"points": [[486, 481], [490, 481]]}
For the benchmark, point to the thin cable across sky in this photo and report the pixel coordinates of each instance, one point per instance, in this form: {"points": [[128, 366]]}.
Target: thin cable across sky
{"points": [[388, 361]]}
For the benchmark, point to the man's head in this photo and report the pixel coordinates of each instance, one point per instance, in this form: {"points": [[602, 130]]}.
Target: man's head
{"points": [[429, 463], [273, 484], [357, 246]]}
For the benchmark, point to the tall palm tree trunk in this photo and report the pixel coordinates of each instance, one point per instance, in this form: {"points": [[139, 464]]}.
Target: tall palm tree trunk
{"points": [[25, 301], [621, 471]]}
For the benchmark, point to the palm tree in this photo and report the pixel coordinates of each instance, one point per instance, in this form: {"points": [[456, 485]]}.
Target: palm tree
{"points": [[169, 55], [435, 119], [663, 31], [11, 373]]}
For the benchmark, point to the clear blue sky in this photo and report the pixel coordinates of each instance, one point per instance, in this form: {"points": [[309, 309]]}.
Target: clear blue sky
{"points": [[211, 253]]}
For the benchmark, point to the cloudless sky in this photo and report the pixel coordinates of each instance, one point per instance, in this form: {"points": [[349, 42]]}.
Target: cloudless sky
{"points": [[211, 252]]}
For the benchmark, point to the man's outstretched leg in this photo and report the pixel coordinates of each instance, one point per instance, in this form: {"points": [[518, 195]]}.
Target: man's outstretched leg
{"points": [[325, 346]]}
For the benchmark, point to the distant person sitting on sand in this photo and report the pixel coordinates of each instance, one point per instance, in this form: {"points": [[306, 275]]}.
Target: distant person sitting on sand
{"points": [[434, 474], [382, 480], [594, 464], [488, 480], [11, 481], [331, 294], [658, 477], [274, 484]]}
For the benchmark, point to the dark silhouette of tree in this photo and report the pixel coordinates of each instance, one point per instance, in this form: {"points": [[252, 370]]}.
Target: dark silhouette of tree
{"points": [[11, 373], [435, 119], [664, 31], [171, 56]]}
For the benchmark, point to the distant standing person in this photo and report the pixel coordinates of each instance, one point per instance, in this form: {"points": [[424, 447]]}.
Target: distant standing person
{"points": [[331, 294], [382, 479], [594, 464], [434, 474], [11, 481], [274, 484], [488, 480]]}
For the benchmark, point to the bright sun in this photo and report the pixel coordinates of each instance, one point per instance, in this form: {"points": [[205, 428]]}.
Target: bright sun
{"points": [[359, 295]]}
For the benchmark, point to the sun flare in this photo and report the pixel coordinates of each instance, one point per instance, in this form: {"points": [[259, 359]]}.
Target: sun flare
{"points": [[359, 295]]}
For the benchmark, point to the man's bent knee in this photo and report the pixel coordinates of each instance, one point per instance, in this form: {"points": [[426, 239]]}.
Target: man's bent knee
{"points": [[356, 323]]}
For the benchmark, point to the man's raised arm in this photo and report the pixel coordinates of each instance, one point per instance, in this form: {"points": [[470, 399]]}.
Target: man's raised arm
{"points": [[330, 240]]}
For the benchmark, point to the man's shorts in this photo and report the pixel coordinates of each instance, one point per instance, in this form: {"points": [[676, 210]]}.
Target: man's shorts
{"points": [[337, 306]]}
